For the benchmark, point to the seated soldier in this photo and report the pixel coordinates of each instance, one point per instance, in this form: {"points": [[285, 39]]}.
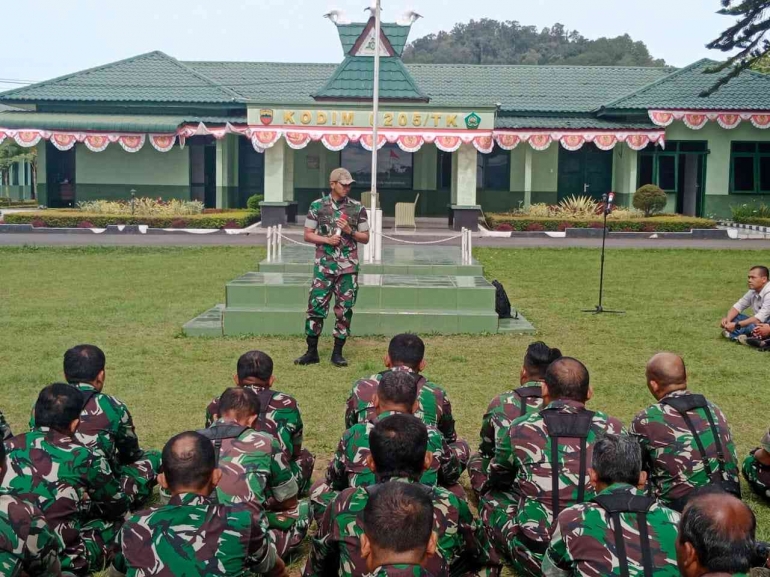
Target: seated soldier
{"points": [[620, 529], [738, 326], [509, 406], [193, 534], [279, 414], [71, 484], [28, 546], [5, 428], [716, 537], [107, 426], [255, 469], [396, 393], [685, 439], [540, 466], [398, 452], [398, 530], [406, 352], [756, 468]]}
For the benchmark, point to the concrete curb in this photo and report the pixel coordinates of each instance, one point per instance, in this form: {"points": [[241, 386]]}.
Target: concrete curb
{"points": [[124, 229], [754, 227]]}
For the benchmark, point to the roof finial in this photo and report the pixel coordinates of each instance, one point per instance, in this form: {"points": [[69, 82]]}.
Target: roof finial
{"points": [[337, 16], [408, 18]]}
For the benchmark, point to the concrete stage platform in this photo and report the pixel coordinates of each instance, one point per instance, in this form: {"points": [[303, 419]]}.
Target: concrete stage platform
{"points": [[423, 289]]}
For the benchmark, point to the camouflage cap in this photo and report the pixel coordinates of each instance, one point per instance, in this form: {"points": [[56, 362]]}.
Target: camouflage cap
{"points": [[765, 442], [341, 175]]}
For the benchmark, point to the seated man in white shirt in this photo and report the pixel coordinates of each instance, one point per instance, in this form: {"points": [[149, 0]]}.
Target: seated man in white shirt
{"points": [[760, 338], [737, 326]]}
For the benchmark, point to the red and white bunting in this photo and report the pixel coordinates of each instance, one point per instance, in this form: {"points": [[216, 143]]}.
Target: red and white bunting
{"points": [[697, 119], [761, 120], [448, 143], [3, 136], [297, 140], [507, 141], [728, 121], [573, 141], [163, 142], [367, 140], [605, 141], [484, 144], [28, 138], [661, 117], [539, 141], [264, 138], [637, 141], [410, 142], [335, 141], [64, 141], [132, 142], [97, 142]]}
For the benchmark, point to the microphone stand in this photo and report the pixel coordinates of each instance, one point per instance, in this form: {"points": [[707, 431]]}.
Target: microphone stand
{"points": [[599, 309]]}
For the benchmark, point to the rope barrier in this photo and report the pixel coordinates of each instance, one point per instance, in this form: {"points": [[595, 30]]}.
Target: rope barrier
{"points": [[424, 242]]}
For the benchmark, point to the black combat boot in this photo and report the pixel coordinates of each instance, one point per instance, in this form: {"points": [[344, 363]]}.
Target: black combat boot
{"points": [[311, 356], [337, 359]]}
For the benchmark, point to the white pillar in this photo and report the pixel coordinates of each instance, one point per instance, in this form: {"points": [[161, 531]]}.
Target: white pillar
{"points": [[466, 175], [276, 171], [527, 176]]}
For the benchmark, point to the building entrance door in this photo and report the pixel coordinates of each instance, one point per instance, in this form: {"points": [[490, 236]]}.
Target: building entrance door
{"points": [[60, 176], [584, 172]]}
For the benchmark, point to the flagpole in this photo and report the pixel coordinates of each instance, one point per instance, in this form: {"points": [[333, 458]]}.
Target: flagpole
{"points": [[375, 121]]}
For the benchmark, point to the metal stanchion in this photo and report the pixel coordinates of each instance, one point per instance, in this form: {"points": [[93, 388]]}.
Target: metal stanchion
{"points": [[378, 235], [470, 247], [280, 241], [463, 241], [269, 244]]}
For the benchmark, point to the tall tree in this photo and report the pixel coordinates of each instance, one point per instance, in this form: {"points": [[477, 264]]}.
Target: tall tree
{"points": [[488, 41], [748, 35]]}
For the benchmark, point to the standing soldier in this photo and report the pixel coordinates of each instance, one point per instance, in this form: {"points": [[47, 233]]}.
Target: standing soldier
{"points": [[335, 224], [255, 470], [756, 468], [279, 413], [621, 531], [685, 439], [541, 466]]}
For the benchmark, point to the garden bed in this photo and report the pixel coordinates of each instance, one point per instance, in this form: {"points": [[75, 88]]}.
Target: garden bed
{"points": [[660, 223], [79, 219]]}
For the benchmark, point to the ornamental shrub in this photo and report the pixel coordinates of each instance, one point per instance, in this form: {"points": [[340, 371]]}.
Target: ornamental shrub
{"points": [[71, 218], [179, 223], [253, 202], [535, 227], [650, 199], [36, 222], [85, 224], [505, 227]]}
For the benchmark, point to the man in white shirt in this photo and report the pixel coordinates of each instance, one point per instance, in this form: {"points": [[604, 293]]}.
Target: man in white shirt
{"points": [[737, 326]]}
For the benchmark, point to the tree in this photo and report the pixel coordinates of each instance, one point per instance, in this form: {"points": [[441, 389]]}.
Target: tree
{"points": [[747, 35], [489, 41]]}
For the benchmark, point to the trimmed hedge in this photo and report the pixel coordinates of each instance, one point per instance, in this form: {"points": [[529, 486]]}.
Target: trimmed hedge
{"points": [[4, 201], [662, 223], [757, 221], [73, 218]]}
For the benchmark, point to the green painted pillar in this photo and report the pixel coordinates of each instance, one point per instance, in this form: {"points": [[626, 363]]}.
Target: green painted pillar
{"points": [[227, 171], [41, 192]]}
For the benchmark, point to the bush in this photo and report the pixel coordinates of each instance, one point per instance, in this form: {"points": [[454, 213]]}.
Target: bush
{"points": [[659, 223], [650, 199], [577, 207], [86, 224], [748, 213], [535, 227], [71, 218], [143, 206], [253, 202], [179, 223], [505, 227]]}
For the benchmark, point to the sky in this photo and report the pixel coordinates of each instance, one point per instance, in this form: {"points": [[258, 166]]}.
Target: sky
{"points": [[49, 38]]}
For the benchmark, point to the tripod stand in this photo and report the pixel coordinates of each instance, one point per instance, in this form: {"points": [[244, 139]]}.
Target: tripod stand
{"points": [[599, 309]]}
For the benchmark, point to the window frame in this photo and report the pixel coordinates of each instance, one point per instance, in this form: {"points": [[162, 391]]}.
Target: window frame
{"points": [[381, 186], [485, 161], [755, 156]]}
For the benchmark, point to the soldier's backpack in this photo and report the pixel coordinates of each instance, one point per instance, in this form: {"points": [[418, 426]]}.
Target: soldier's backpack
{"points": [[617, 503], [684, 405], [219, 433], [525, 393], [571, 426], [502, 303]]}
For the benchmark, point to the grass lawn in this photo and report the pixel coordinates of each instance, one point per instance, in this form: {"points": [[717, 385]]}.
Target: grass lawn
{"points": [[133, 301]]}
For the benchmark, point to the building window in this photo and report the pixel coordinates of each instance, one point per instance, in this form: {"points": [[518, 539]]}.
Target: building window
{"points": [[661, 166], [750, 167], [493, 171], [444, 170], [395, 168]]}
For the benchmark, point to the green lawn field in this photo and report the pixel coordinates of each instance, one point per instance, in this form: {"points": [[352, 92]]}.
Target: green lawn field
{"points": [[133, 301]]}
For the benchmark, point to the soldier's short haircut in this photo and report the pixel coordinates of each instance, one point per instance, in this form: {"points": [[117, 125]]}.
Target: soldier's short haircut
{"points": [[188, 460], [83, 363], [407, 349], [567, 378], [398, 517], [255, 364], [763, 270], [539, 357], [239, 401], [57, 406], [722, 542], [617, 459], [398, 387], [666, 369], [398, 444]]}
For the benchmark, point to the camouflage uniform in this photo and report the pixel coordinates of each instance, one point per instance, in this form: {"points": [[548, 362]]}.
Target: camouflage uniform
{"points": [[27, 545], [336, 549], [348, 466], [519, 504], [280, 416], [594, 540], [74, 488], [336, 267], [5, 428], [672, 456], [106, 426], [433, 408], [501, 412], [255, 470], [757, 475], [193, 535], [399, 570]]}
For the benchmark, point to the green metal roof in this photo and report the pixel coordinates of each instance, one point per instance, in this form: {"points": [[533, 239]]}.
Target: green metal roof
{"points": [[682, 89], [396, 34], [151, 77], [570, 122], [106, 122], [354, 78]]}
